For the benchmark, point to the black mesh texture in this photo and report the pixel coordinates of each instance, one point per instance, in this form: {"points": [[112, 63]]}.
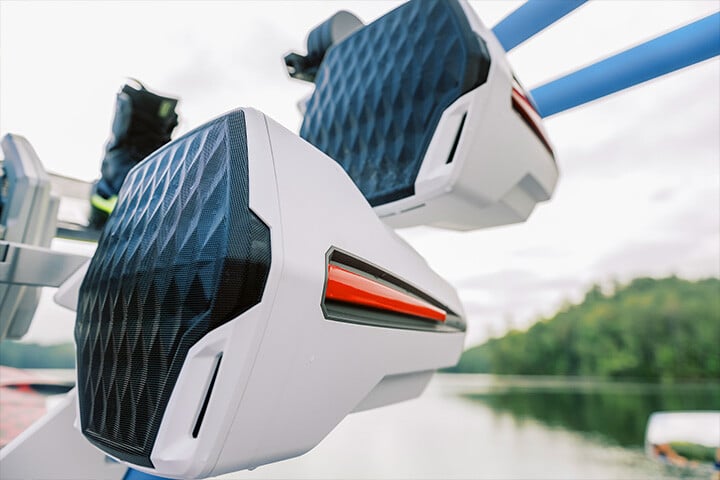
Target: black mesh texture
{"points": [[181, 255], [380, 93]]}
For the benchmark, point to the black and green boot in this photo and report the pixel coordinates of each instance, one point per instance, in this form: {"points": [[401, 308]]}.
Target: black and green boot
{"points": [[143, 123]]}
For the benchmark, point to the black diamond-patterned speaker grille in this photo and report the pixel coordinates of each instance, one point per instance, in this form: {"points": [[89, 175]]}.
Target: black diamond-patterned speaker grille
{"points": [[181, 255], [379, 93]]}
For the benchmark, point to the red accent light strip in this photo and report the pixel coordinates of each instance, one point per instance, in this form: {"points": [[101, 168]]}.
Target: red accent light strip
{"points": [[349, 287], [525, 108]]}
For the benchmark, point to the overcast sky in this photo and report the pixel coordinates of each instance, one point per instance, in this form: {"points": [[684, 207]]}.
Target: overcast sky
{"points": [[639, 192]]}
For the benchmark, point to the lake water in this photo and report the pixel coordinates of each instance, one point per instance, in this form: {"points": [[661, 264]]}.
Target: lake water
{"points": [[489, 427]]}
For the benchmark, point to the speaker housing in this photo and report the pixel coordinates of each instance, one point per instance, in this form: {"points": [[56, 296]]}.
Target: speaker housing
{"points": [[347, 317], [422, 109]]}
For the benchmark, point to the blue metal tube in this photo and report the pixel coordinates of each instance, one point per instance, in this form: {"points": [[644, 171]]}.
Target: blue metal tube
{"points": [[680, 48], [138, 475], [532, 17]]}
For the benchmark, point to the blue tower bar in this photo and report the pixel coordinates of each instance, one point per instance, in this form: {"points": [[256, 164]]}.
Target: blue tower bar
{"points": [[680, 48], [532, 17]]}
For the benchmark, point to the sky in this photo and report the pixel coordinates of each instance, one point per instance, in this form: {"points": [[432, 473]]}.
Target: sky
{"points": [[639, 191]]}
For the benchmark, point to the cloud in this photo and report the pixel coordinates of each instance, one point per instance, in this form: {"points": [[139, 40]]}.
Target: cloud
{"points": [[497, 301], [514, 281], [697, 215], [684, 240], [664, 195], [663, 127]]}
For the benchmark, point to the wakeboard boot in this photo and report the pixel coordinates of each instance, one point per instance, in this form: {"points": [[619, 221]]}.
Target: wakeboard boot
{"points": [[143, 122]]}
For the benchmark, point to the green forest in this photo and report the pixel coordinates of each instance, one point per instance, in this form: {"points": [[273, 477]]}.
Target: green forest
{"points": [[655, 329]]}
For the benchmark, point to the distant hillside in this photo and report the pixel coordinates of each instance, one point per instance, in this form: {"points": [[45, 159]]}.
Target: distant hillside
{"points": [[31, 355], [663, 329]]}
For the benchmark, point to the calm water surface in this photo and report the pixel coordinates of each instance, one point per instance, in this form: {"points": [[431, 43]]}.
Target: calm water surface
{"points": [[490, 427]]}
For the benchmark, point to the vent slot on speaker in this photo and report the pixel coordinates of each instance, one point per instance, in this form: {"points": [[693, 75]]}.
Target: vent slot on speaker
{"points": [[203, 409], [457, 139]]}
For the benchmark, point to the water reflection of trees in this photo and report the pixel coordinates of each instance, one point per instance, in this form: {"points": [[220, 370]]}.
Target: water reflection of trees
{"points": [[618, 415]]}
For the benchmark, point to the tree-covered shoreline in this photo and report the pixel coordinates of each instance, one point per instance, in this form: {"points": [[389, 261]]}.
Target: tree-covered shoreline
{"points": [[654, 329]]}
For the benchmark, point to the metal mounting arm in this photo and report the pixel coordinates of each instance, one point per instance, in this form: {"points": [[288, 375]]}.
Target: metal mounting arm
{"points": [[36, 266]]}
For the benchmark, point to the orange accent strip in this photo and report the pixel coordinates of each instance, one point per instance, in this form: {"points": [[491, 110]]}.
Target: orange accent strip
{"points": [[349, 287], [520, 97], [525, 108]]}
